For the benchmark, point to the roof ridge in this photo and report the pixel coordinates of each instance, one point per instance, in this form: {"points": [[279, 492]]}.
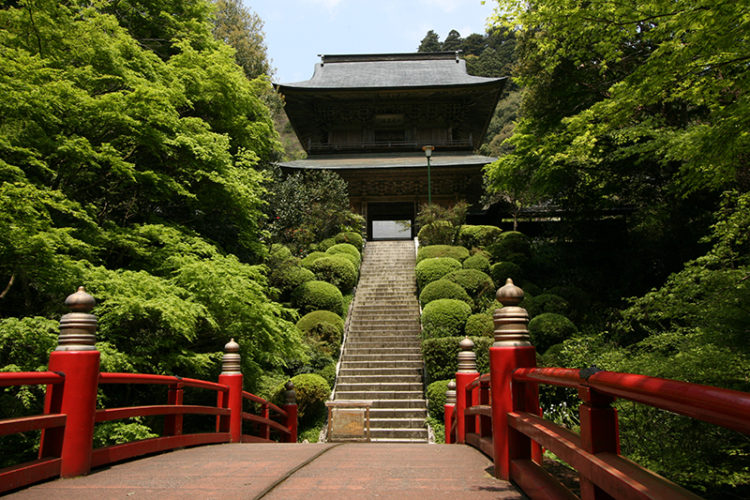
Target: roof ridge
{"points": [[396, 56]]}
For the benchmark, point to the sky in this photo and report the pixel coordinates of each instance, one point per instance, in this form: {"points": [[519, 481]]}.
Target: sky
{"points": [[298, 30]]}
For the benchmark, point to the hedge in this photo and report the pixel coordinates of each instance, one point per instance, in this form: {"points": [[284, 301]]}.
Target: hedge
{"points": [[432, 251], [312, 393], [288, 277], [436, 398], [312, 257], [511, 246], [478, 236], [338, 271], [441, 356], [440, 232], [325, 244], [351, 258], [318, 295], [443, 289], [478, 262], [477, 284], [345, 248], [480, 325], [309, 321], [501, 271], [433, 269], [352, 238], [444, 318], [545, 303], [549, 329]]}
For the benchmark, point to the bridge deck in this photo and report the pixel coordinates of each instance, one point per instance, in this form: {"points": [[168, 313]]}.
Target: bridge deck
{"points": [[302, 471]]}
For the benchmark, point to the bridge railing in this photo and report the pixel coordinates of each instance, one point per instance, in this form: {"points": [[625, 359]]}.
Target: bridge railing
{"points": [[70, 413], [499, 414]]}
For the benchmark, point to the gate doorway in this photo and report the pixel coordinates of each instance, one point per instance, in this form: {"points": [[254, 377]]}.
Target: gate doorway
{"points": [[390, 221]]}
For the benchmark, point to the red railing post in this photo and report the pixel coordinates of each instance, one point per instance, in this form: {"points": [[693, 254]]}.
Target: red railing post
{"points": [[467, 371], [511, 350], [75, 356], [173, 423], [449, 408], [231, 376], [599, 431], [290, 407]]}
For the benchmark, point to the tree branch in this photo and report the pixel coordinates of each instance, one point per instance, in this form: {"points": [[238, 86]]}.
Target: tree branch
{"points": [[7, 288]]}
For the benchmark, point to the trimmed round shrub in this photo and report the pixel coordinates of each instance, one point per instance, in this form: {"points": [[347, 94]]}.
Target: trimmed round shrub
{"points": [[311, 320], [351, 258], [440, 232], [318, 296], [480, 325], [478, 262], [312, 393], [433, 251], [545, 303], [549, 329], [344, 248], [325, 244], [478, 236], [441, 356], [436, 398], [430, 270], [477, 284], [338, 271], [511, 246], [288, 277], [444, 318], [312, 257], [504, 270], [278, 255], [352, 238], [490, 309], [328, 372], [530, 288], [443, 289], [579, 300]]}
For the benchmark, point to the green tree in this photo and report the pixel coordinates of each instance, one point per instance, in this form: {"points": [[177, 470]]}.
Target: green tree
{"points": [[453, 41], [430, 43], [242, 29]]}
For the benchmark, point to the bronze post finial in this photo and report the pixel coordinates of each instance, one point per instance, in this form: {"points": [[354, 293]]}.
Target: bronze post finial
{"points": [[467, 358], [450, 394], [230, 362], [77, 328], [511, 322], [290, 396]]}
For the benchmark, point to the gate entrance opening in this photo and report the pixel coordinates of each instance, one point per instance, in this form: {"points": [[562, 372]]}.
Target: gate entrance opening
{"points": [[390, 221]]}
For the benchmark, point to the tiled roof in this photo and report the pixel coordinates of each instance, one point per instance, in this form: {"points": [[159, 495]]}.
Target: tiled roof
{"points": [[389, 160]]}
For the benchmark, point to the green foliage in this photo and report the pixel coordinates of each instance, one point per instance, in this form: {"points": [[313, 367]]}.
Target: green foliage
{"points": [[311, 320], [441, 356], [432, 269], [352, 238], [436, 398], [478, 236], [480, 325], [242, 29], [287, 277], [318, 295], [478, 262], [501, 271], [325, 244], [324, 331], [112, 433], [549, 329], [312, 392], [310, 206], [477, 284], [444, 318], [439, 232], [338, 271], [545, 303], [310, 258], [443, 289], [344, 248], [328, 372], [26, 343], [434, 251], [438, 428], [511, 246], [440, 225]]}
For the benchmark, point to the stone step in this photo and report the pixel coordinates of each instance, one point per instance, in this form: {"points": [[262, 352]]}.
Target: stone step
{"points": [[365, 371], [345, 386], [369, 341], [398, 413], [379, 395], [379, 379], [383, 365], [357, 350], [396, 404], [380, 434], [396, 423], [382, 357]]}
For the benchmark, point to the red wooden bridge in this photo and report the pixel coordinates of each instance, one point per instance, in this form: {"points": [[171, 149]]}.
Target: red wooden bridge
{"points": [[497, 413]]}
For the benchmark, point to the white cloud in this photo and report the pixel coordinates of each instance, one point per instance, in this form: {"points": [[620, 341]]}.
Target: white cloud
{"points": [[328, 4]]}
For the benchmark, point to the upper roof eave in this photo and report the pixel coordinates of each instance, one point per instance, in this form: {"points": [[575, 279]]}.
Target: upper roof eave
{"points": [[452, 86]]}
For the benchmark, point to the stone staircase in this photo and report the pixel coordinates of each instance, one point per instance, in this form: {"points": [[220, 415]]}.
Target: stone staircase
{"points": [[382, 359]]}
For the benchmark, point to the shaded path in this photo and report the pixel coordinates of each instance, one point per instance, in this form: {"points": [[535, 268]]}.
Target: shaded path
{"points": [[246, 470]]}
